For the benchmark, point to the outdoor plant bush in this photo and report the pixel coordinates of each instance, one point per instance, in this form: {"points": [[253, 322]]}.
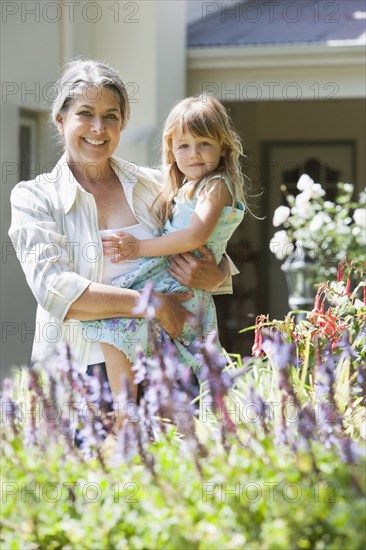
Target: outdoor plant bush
{"points": [[318, 229], [334, 330], [275, 460]]}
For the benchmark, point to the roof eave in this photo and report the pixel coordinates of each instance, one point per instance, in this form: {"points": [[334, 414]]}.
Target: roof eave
{"points": [[299, 55]]}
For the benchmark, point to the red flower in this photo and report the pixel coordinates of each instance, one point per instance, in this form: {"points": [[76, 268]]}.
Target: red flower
{"points": [[317, 313], [257, 346], [340, 271], [328, 324], [348, 286]]}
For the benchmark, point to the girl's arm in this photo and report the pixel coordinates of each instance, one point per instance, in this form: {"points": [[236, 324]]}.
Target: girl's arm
{"points": [[211, 201]]}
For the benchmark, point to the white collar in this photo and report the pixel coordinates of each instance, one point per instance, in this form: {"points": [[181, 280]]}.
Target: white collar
{"points": [[67, 185]]}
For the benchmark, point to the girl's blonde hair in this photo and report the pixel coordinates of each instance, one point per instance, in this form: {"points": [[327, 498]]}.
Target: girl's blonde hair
{"points": [[201, 116]]}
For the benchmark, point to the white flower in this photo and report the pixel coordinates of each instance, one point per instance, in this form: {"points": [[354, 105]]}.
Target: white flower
{"points": [[359, 215], [304, 209], [342, 227], [305, 182], [328, 230], [318, 221], [280, 245], [360, 235], [280, 215], [302, 199], [316, 191]]}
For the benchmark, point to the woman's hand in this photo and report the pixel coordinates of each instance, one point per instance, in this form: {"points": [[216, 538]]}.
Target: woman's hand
{"points": [[122, 246], [202, 273], [171, 315]]}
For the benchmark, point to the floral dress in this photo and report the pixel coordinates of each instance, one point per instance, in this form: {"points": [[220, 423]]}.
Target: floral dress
{"points": [[128, 335]]}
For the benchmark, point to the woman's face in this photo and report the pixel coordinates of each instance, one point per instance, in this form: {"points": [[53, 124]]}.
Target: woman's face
{"points": [[91, 127]]}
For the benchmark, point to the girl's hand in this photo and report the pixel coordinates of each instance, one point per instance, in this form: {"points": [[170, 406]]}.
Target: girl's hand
{"points": [[122, 246]]}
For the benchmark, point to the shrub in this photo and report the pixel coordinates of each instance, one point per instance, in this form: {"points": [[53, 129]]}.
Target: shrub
{"points": [[275, 459]]}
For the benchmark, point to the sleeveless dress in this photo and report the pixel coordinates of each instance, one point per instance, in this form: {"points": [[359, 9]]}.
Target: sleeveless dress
{"points": [[128, 335]]}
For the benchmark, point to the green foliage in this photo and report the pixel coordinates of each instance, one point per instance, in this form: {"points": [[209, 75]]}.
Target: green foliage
{"points": [[276, 459], [258, 496]]}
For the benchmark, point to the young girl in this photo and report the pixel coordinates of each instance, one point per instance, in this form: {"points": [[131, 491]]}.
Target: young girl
{"points": [[201, 203]]}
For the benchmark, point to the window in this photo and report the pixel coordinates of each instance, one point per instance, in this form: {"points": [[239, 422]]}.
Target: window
{"points": [[28, 144]]}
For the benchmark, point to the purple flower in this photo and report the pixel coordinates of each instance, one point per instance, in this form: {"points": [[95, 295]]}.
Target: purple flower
{"points": [[147, 302], [9, 408], [307, 422]]}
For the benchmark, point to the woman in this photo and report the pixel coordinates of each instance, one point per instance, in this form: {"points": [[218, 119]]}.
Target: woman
{"points": [[58, 220]]}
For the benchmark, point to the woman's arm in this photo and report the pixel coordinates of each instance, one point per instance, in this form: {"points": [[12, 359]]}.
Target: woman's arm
{"points": [[42, 248], [101, 301], [210, 204]]}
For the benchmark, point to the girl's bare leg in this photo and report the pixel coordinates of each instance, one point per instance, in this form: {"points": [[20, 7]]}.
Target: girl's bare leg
{"points": [[118, 370]]}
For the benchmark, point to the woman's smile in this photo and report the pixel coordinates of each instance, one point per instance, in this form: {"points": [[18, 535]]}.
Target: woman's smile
{"points": [[95, 142]]}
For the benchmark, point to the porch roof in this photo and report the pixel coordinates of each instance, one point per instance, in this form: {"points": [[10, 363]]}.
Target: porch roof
{"points": [[279, 23]]}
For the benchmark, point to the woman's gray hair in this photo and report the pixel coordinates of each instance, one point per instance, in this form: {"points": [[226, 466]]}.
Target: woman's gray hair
{"points": [[80, 74]]}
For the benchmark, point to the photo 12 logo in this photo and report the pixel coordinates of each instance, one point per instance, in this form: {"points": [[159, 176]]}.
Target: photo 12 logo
{"points": [[269, 12], [269, 491], [54, 491], [272, 91], [46, 93], [119, 11]]}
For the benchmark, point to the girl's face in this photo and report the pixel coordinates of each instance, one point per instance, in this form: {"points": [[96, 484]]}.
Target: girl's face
{"points": [[196, 156], [91, 126]]}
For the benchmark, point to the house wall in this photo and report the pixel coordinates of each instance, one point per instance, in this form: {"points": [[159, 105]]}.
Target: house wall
{"points": [[278, 73], [26, 73]]}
